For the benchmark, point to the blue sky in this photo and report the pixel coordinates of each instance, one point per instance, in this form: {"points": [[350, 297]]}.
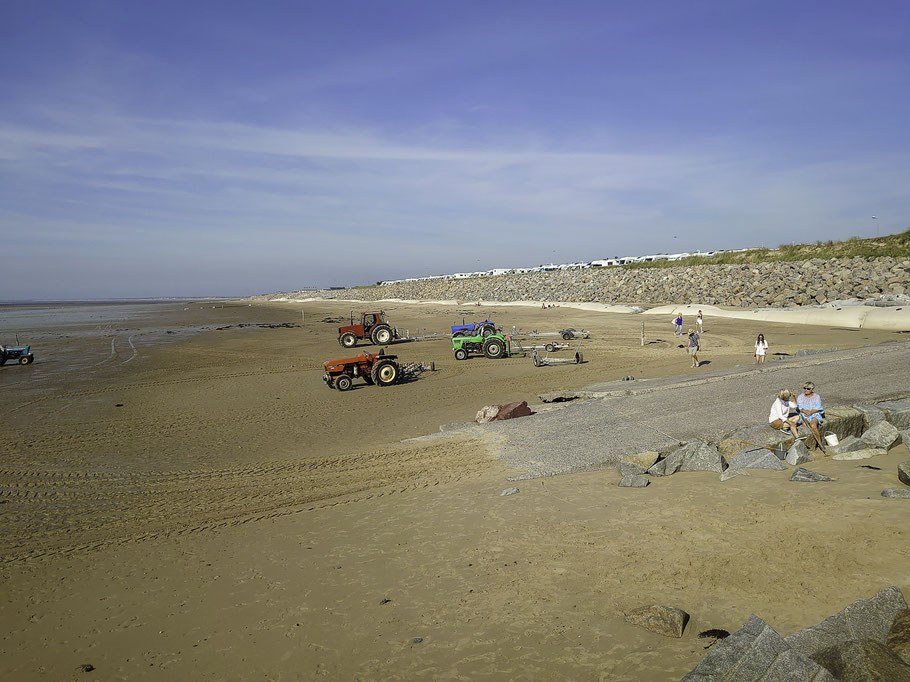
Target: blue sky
{"points": [[230, 148]]}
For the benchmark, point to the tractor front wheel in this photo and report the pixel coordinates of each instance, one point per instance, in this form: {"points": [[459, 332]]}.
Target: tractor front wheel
{"points": [[25, 360], [493, 349], [348, 340], [385, 373], [382, 335], [461, 354], [344, 382]]}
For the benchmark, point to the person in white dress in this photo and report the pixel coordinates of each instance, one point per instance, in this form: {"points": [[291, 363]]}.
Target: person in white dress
{"points": [[761, 349]]}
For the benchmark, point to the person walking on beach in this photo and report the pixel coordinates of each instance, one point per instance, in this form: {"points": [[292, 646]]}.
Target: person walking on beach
{"points": [[693, 348], [699, 323], [761, 349], [678, 324], [811, 412], [784, 413]]}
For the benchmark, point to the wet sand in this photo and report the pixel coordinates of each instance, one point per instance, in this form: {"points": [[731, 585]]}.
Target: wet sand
{"points": [[207, 509]]}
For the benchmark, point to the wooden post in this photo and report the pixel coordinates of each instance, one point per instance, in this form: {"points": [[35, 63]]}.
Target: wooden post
{"points": [[642, 332]]}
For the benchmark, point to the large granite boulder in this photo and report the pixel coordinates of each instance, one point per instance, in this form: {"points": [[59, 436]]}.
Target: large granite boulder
{"points": [[486, 414], [872, 415], [903, 472], [865, 453], [695, 455], [757, 458], [899, 636], [639, 463], [634, 481], [844, 421], [882, 435], [512, 410], [848, 444], [699, 456], [897, 493], [864, 619], [798, 454], [805, 476], [905, 437], [662, 620], [862, 661], [897, 412], [756, 652]]}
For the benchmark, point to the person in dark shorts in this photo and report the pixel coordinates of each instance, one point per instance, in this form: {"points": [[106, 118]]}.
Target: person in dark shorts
{"points": [[693, 347]]}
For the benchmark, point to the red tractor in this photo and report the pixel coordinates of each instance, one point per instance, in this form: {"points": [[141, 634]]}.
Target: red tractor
{"points": [[373, 327], [374, 368]]}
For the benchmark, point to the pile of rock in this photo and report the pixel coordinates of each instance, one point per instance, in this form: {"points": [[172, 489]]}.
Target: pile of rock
{"points": [[864, 431], [868, 640], [808, 282]]}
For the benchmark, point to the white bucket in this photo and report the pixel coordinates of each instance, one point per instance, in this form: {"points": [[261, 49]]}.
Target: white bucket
{"points": [[831, 439]]}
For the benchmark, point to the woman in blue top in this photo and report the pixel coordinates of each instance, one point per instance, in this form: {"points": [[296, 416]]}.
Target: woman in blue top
{"points": [[811, 412]]}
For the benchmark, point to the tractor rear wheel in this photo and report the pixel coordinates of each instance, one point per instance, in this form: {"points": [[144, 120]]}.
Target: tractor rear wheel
{"points": [[461, 354], [381, 335], [348, 340], [385, 373], [493, 348], [459, 334], [343, 382], [2, 362], [486, 330]]}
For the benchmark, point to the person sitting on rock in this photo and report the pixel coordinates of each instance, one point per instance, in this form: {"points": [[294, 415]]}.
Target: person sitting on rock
{"points": [[811, 412], [784, 413]]}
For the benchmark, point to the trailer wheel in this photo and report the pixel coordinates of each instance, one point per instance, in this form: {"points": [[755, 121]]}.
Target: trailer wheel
{"points": [[385, 373], [536, 360], [493, 348], [567, 336], [344, 382], [381, 336], [548, 347], [348, 340], [461, 354]]}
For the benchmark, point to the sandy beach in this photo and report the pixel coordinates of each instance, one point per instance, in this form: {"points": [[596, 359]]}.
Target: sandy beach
{"points": [[183, 498]]}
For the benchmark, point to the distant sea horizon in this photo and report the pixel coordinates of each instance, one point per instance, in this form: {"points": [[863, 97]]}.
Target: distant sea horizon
{"points": [[103, 301]]}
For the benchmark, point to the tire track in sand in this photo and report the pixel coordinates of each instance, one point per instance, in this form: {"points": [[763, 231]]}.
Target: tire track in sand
{"points": [[53, 512]]}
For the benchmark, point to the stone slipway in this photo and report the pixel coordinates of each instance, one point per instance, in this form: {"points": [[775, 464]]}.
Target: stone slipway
{"points": [[629, 417]]}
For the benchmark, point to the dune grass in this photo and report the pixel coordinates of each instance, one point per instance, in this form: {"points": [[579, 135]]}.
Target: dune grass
{"points": [[894, 245]]}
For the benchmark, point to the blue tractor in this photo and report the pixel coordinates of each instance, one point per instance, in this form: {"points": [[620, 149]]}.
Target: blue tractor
{"points": [[484, 329], [20, 354]]}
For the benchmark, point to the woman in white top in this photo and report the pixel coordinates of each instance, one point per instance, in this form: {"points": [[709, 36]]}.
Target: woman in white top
{"points": [[761, 348], [699, 322], [784, 413]]}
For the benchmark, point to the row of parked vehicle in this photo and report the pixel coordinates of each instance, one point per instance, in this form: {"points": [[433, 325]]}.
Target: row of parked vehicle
{"points": [[475, 338], [381, 369]]}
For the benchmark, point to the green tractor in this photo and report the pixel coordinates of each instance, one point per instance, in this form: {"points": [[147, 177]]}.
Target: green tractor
{"points": [[493, 346]]}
